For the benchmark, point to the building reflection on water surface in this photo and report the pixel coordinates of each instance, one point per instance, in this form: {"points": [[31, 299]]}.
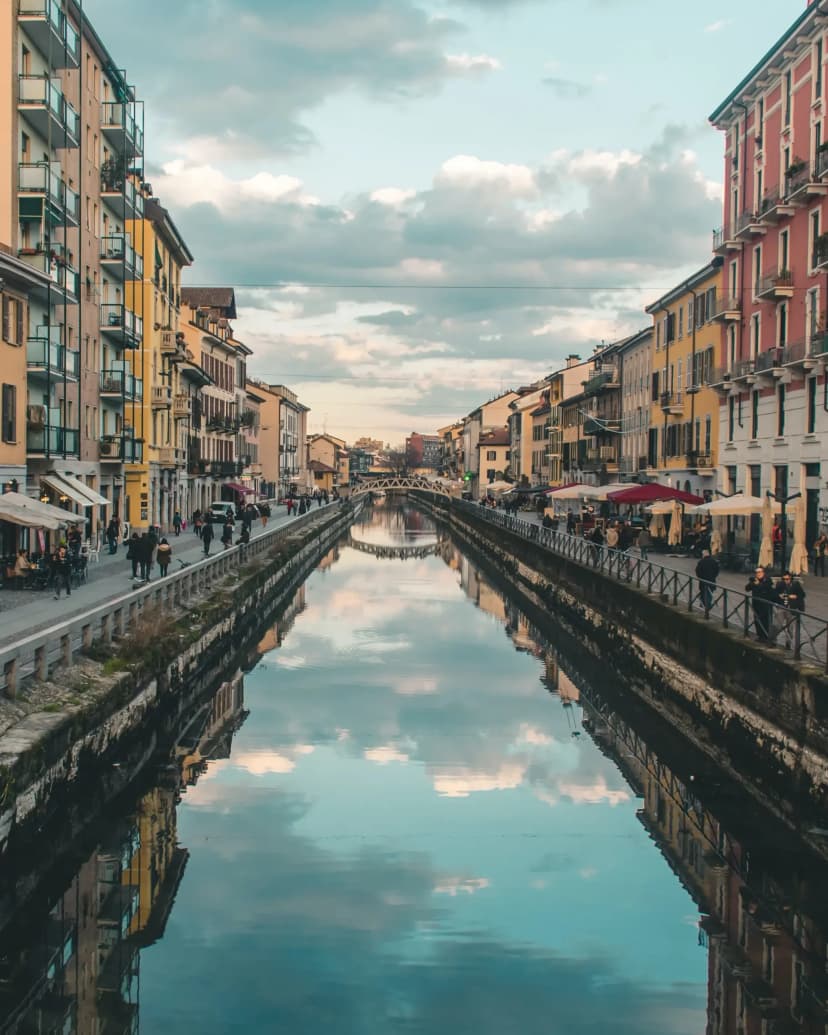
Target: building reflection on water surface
{"points": [[73, 965]]}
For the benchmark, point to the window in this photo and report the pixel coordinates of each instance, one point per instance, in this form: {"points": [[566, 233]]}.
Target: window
{"points": [[671, 328], [757, 267], [754, 335], [759, 122], [810, 415], [784, 250], [780, 411], [681, 321], [754, 415], [9, 414], [818, 70], [690, 316], [13, 320], [654, 394], [491, 454], [731, 418], [708, 434], [812, 312], [788, 96], [814, 229], [782, 324]]}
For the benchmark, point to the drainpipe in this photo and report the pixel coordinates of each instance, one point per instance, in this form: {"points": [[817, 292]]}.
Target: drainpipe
{"points": [[693, 368], [743, 294]]}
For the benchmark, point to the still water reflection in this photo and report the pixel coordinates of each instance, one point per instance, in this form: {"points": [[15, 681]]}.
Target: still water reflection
{"points": [[424, 825]]}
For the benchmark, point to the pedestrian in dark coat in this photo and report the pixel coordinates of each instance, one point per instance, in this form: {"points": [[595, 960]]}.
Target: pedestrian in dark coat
{"points": [[707, 571], [302, 506], [176, 524], [145, 549], [227, 534], [763, 597], [134, 553], [790, 596], [112, 530], [164, 555], [62, 571], [207, 537]]}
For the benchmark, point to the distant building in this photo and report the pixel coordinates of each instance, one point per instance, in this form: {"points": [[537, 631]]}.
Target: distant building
{"points": [[328, 462], [370, 445], [423, 451], [493, 456], [359, 462]]}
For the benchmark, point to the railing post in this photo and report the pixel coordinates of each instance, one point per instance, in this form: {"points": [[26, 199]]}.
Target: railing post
{"points": [[10, 676], [41, 665], [797, 642], [746, 616], [725, 618]]}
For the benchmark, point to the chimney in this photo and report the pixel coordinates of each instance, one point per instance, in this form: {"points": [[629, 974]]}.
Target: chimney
{"points": [[572, 361]]}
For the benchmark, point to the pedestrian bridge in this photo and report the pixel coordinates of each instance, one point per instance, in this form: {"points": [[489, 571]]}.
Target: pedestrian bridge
{"points": [[394, 483], [415, 551]]}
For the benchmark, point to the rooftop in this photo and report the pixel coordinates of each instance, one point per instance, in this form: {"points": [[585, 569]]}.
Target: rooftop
{"points": [[221, 298]]}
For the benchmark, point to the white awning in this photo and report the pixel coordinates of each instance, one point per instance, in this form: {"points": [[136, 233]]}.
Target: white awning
{"points": [[66, 485], [94, 497], [23, 516], [37, 508]]}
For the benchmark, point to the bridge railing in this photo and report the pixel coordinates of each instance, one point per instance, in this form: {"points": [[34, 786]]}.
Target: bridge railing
{"points": [[804, 636]]}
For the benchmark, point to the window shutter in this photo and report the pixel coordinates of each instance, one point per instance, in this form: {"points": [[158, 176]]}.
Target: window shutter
{"points": [[21, 309], [6, 318], [9, 417]]}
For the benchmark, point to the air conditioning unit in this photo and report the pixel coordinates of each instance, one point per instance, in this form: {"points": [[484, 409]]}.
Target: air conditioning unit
{"points": [[36, 416]]}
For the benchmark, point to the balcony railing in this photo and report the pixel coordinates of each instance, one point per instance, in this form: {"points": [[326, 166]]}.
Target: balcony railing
{"points": [[52, 358], [182, 407], [121, 323], [121, 448], [117, 248], [52, 441], [120, 193], [818, 344], [122, 383], [671, 402], [777, 284], [161, 396], [41, 98], [47, 25], [727, 308], [118, 121], [604, 379], [43, 179]]}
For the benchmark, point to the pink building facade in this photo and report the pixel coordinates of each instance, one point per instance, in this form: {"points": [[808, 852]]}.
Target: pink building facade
{"points": [[774, 289]]}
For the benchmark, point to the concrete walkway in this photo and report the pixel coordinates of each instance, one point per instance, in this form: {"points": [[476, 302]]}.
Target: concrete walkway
{"points": [[28, 611], [815, 586]]}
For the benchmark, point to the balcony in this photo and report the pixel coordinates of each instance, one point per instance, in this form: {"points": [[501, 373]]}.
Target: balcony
{"points": [[593, 427], [725, 240], [42, 104], [161, 397], [774, 287], [803, 183], [44, 197], [607, 378], [120, 259], [182, 407], [121, 384], [226, 469], [47, 359], [118, 125], [749, 225], [672, 403], [121, 325], [774, 207], [819, 256], [727, 309], [121, 448], [167, 457], [600, 458], [222, 425], [120, 193], [818, 345], [51, 31], [52, 441], [55, 262]]}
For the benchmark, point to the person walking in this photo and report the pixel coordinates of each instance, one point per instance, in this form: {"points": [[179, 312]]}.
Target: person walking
{"points": [[819, 549], [163, 555], [227, 534], [74, 539], [289, 505], [134, 554], [176, 524], [62, 571], [112, 530], [264, 511], [763, 597], [612, 538], [207, 537], [144, 554], [790, 596], [707, 572], [644, 542], [198, 523]]}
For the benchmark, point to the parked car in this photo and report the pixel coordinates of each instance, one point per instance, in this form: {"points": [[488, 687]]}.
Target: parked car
{"points": [[218, 511]]}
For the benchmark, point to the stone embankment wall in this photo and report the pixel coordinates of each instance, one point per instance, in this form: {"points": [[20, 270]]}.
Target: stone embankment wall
{"points": [[747, 706], [51, 752]]}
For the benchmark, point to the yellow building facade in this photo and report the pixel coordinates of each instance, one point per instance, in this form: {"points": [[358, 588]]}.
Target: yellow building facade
{"points": [[158, 381], [684, 415]]}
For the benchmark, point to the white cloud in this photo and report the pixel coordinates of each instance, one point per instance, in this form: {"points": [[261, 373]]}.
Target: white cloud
{"points": [[385, 755], [473, 63], [470, 172], [455, 886], [392, 196], [717, 26]]}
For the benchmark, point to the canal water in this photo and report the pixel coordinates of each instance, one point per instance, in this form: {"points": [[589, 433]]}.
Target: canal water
{"points": [[410, 816]]}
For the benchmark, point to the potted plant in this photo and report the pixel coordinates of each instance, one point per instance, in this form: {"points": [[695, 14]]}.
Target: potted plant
{"points": [[797, 166]]}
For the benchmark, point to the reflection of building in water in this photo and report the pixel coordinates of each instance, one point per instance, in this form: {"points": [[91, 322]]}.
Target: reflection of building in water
{"points": [[275, 635], [329, 560], [767, 957], [210, 735], [75, 970]]}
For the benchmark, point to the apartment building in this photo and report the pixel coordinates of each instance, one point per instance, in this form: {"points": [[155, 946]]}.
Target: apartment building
{"points": [[328, 462], [251, 445], [774, 247], [687, 338], [72, 176], [591, 422], [159, 388], [282, 442], [562, 383], [493, 456], [636, 403], [491, 416], [527, 446], [215, 441]]}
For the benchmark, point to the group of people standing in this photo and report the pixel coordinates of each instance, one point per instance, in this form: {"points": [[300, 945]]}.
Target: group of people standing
{"points": [[144, 551], [302, 503]]}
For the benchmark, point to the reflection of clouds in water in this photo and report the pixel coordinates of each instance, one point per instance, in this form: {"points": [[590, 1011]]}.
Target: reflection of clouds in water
{"points": [[415, 686], [260, 763], [455, 886], [459, 782], [286, 660]]}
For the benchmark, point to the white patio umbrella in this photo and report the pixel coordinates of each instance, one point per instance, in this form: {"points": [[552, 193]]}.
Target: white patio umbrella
{"points": [[716, 536], [737, 505], [798, 564], [498, 487], [657, 526], [674, 536], [766, 546], [571, 492]]}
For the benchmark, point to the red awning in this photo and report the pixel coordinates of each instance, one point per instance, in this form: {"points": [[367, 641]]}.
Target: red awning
{"points": [[238, 488], [651, 492]]}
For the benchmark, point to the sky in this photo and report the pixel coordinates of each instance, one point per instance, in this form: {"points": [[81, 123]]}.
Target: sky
{"points": [[423, 203]]}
